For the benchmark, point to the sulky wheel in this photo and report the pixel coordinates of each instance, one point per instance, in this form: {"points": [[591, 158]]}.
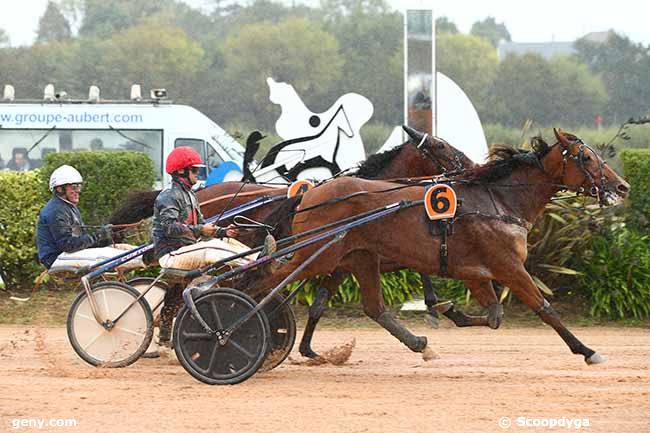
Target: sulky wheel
{"points": [[232, 360], [123, 342], [154, 296], [282, 322]]}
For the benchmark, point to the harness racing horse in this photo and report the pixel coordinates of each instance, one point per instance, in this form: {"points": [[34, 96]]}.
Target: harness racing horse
{"points": [[501, 201], [422, 155]]}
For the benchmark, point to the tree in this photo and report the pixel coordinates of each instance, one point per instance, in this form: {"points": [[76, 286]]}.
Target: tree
{"points": [[524, 89], [625, 70], [581, 94], [4, 38], [444, 25], [490, 30], [295, 50], [371, 40], [53, 26], [102, 18], [29, 69], [335, 9], [471, 62], [151, 56], [559, 92]]}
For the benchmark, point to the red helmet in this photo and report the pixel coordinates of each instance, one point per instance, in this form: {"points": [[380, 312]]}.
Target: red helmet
{"points": [[181, 158]]}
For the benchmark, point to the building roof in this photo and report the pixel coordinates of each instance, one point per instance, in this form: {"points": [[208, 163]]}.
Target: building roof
{"points": [[547, 49]]}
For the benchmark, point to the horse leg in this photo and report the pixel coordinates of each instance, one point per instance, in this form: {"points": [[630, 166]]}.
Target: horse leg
{"points": [[326, 289], [365, 267], [430, 300], [524, 287], [484, 292]]}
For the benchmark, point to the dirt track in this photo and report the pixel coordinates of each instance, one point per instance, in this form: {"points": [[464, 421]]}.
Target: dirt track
{"points": [[481, 376]]}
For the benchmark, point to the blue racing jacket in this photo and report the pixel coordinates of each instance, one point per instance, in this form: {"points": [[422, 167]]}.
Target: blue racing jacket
{"points": [[60, 229]]}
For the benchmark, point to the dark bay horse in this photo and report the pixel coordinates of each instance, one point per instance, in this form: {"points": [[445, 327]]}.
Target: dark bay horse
{"points": [[501, 201], [422, 155]]}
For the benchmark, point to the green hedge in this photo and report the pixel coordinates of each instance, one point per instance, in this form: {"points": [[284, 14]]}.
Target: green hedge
{"points": [[616, 275], [22, 197], [636, 166], [107, 178]]}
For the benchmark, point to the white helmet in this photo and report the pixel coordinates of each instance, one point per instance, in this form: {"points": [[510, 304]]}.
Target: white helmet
{"points": [[64, 175]]}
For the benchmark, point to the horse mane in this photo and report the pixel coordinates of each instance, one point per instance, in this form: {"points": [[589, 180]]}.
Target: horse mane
{"points": [[503, 160], [136, 206], [373, 166]]}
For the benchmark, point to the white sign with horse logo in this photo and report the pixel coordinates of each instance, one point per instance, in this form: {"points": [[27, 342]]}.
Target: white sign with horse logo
{"points": [[316, 145]]}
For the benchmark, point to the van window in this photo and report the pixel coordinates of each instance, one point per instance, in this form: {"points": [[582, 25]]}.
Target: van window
{"points": [[13, 141], [209, 156]]}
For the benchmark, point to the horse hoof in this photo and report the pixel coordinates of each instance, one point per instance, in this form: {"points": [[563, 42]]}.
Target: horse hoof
{"points": [[431, 320], [596, 358], [308, 353], [428, 354], [495, 313]]}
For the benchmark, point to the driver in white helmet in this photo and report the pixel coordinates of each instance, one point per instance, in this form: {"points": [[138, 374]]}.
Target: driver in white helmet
{"points": [[60, 227]]}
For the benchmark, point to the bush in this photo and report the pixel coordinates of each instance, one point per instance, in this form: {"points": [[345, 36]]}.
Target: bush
{"points": [[108, 176], [567, 226], [636, 166], [397, 288], [616, 275], [21, 195]]}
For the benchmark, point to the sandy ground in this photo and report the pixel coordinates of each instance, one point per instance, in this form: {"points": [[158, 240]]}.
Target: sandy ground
{"points": [[480, 377]]}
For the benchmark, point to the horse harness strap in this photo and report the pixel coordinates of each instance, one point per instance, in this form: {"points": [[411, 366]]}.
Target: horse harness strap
{"points": [[508, 219]]}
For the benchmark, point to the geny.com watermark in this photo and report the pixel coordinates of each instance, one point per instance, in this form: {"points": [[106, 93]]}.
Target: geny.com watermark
{"points": [[39, 423], [548, 423]]}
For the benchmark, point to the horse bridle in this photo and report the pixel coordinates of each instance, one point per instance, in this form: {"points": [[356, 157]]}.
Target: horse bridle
{"points": [[596, 190], [436, 158]]}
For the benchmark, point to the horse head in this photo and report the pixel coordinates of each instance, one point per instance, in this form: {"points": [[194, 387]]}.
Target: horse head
{"points": [[584, 171], [441, 153]]}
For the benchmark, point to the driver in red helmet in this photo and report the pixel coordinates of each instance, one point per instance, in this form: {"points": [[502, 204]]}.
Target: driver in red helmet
{"points": [[177, 222]]}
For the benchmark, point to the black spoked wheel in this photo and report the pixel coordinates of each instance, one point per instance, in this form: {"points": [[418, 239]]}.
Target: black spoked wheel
{"points": [[282, 322], [232, 360]]}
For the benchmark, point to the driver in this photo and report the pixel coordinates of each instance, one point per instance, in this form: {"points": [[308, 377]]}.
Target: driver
{"points": [[178, 222], [60, 228]]}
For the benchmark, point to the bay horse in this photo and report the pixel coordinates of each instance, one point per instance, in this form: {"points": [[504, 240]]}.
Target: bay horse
{"points": [[421, 155], [501, 201]]}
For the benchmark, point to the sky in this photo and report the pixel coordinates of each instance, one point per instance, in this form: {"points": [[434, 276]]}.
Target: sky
{"points": [[527, 20]]}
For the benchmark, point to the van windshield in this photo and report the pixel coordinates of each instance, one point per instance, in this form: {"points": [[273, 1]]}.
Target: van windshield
{"points": [[234, 150], [15, 145]]}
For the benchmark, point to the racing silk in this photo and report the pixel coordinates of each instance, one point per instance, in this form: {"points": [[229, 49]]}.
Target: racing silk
{"points": [[177, 219], [60, 229]]}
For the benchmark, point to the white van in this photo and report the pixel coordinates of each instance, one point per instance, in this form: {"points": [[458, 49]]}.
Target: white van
{"points": [[154, 127]]}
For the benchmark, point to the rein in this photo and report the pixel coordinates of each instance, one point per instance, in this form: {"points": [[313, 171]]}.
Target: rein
{"points": [[238, 194], [595, 191]]}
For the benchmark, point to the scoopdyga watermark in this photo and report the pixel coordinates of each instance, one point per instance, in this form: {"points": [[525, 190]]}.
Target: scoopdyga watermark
{"points": [[41, 423], [547, 423]]}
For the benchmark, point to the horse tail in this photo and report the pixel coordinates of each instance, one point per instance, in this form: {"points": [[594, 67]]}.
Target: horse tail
{"points": [[136, 206]]}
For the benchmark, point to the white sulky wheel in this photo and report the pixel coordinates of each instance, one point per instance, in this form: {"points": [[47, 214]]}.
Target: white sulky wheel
{"points": [[120, 345], [154, 296]]}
